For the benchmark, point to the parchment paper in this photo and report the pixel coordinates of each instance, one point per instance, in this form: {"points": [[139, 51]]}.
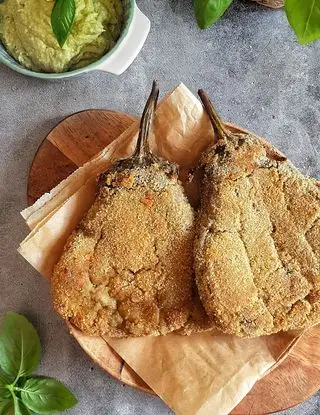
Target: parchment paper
{"points": [[201, 374]]}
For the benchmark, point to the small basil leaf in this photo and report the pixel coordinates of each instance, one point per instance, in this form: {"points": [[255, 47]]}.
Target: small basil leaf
{"points": [[304, 18], [209, 11], [19, 346], [46, 395], [62, 19]]}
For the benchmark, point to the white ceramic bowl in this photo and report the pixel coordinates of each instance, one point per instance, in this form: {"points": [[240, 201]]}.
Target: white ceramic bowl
{"points": [[134, 33]]}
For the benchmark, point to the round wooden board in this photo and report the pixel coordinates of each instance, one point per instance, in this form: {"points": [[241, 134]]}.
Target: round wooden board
{"points": [[75, 140]]}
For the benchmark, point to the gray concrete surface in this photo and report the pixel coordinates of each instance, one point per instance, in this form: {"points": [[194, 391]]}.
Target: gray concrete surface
{"points": [[260, 78]]}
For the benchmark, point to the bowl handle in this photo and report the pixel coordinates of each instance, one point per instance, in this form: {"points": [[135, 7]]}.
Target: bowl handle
{"points": [[127, 51]]}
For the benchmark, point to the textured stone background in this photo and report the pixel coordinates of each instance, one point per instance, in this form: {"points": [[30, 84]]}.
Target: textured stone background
{"points": [[259, 78]]}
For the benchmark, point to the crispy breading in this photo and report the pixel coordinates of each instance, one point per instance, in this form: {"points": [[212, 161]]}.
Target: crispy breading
{"points": [[257, 250], [127, 269]]}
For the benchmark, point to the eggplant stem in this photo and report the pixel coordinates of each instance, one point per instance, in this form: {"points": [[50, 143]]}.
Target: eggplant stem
{"points": [[216, 122], [142, 149]]}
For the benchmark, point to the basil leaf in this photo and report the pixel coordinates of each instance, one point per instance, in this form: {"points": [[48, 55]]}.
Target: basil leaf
{"points": [[4, 394], [5, 379], [46, 395], [19, 346], [304, 18], [209, 11], [62, 19], [3, 384], [5, 405], [5, 401]]}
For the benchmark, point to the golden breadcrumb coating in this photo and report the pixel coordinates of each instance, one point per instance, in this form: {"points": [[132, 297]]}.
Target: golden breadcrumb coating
{"points": [[127, 270], [257, 250]]}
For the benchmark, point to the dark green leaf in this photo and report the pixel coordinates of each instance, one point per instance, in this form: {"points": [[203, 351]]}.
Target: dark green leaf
{"points": [[209, 11], [5, 404], [19, 346], [4, 394], [5, 407], [62, 19], [5, 379], [304, 18], [46, 395]]}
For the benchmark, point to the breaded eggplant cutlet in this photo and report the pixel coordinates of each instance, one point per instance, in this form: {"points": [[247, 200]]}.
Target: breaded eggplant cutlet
{"points": [[127, 270], [257, 249]]}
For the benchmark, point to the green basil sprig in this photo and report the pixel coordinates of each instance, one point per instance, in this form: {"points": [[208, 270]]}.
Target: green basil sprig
{"points": [[20, 393], [62, 18], [209, 11], [304, 18]]}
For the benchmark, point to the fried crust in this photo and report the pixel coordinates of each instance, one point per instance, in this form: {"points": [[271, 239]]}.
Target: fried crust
{"points": [[127, 270], [198, 321], [257, 249]]}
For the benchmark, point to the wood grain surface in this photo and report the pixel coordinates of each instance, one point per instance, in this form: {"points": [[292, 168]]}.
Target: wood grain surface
{"points": [[74, 141], [274, 4]]}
